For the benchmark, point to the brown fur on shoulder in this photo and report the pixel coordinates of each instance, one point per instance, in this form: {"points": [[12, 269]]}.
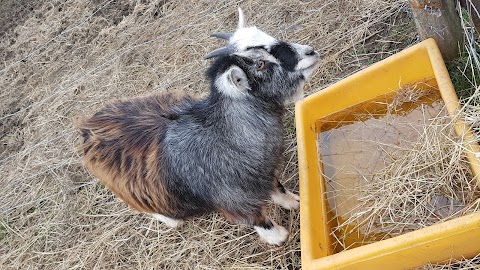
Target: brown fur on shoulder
{"points": [[122, 148]]}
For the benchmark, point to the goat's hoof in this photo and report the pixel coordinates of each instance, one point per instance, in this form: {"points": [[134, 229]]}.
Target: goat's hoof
{"points": [[170, 222], [287, 200], [276, 235]]}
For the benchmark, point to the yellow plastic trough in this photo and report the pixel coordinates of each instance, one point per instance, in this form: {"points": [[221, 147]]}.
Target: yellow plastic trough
{"points": [[458, 238]]}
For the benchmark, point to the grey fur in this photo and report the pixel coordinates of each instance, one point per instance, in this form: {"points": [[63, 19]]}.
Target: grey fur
{"points": [[230, 165]]}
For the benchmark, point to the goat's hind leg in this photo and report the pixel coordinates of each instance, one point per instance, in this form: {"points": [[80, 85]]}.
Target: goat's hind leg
{"points": [[269, 231], [170, 222], [285, 198]]}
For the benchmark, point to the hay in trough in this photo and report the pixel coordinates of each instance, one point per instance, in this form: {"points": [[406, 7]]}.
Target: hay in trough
{"points": [[423, 183]]}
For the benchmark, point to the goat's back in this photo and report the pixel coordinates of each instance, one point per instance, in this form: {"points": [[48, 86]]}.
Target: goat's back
{"points": [[123, 145]]}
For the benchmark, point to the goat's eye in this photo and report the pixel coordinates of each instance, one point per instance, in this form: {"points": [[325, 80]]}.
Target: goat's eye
{"points": [[260, 65]]}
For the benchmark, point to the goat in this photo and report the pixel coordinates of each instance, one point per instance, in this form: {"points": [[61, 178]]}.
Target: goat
{"points": [[175, 156]]}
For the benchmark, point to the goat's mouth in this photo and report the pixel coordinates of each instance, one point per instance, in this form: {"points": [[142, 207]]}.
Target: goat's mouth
{"points": [[314, 64], [310, 69]]}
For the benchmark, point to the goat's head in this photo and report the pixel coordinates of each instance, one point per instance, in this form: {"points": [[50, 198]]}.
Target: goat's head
{"points": [[255, 63]]}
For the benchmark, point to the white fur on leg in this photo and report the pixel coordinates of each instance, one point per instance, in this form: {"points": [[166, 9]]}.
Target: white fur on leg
{"points": [[170, 222], [273, 236], [286, 200]]}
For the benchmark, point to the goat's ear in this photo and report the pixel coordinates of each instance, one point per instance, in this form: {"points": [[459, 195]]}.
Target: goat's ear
{"points": [[238, 79], [241, 19]]}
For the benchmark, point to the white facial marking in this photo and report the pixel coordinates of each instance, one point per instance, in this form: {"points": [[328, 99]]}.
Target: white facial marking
{"points": [[273, 236], [286, 200], [170, 222], [251, 37], [308, 63], [224, 85]]}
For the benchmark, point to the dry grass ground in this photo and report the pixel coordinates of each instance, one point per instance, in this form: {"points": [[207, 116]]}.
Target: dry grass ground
{"points": [[61, 59]]}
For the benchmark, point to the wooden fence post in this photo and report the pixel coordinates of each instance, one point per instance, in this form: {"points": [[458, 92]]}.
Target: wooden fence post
{"points": [[438, 19]]}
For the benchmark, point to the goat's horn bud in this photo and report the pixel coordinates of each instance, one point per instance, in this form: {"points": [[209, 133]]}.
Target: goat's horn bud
{"points": [[222, 35], [219, 52], [241, 19]]}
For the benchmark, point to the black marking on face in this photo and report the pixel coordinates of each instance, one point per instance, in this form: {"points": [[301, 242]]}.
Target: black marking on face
{"points": [[260, 47], [286, 55], [219, 66]]}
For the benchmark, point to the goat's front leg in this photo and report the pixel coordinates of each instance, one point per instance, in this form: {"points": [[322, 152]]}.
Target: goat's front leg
{"points": [[285, 198], [269, 231], [281, 195]]}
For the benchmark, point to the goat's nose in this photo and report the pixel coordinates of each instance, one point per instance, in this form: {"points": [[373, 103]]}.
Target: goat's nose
{"points": [[310, 51]]}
